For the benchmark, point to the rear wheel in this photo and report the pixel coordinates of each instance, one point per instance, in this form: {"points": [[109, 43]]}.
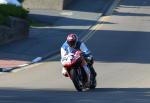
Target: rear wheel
{"points": [[75, 79]]}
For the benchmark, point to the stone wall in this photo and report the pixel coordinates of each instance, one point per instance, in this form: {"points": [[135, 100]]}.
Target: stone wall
{"points": [[46, 4], [17, 29]]}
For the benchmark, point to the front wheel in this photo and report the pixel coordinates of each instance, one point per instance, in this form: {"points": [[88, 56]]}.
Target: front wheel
{"points": [[75, 79], [93, 84], [93, 78]]}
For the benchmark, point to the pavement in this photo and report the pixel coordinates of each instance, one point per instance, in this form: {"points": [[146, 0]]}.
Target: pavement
{"points": [[44, 42]]}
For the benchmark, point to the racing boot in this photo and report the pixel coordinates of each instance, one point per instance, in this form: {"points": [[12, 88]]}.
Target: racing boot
{"points": [[64, 72]]}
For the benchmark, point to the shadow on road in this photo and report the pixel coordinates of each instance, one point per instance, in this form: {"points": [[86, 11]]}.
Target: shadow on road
{"points": [[135, 3], [113, 45], [88, 5], [120, 46], [99, 95], [131, 14], [63, 20]]}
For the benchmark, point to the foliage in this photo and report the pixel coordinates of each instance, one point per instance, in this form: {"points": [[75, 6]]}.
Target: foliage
{"points": [[11, 10], [21, 1], [2, 19]]}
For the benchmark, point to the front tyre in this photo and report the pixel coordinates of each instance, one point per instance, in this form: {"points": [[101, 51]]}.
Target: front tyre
{"points": [[93, 84], [75, 79]]}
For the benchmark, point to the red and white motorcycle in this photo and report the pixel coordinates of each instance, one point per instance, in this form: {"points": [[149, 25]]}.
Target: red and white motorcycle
{"points": [[73, 66]]}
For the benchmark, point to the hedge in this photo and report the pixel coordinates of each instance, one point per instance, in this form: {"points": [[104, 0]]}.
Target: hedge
{"points": [[21, 1], [11, 10]]}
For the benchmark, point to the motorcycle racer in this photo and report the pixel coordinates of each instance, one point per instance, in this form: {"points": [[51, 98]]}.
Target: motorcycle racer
{"points": [[69, 46]]}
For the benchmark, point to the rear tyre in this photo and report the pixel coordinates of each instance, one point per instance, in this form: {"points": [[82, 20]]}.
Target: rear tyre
{"points": [[75, 79]]}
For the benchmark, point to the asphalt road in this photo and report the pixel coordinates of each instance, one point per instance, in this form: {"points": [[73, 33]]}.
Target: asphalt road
{"points": [[122, 60]]}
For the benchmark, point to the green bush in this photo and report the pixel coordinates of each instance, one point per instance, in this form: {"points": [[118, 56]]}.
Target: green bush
{"points": [[21, 1], [2, 19], [11, 10]]}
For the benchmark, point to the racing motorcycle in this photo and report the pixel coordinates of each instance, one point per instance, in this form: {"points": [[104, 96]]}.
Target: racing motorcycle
{"points": [[73, 65]]}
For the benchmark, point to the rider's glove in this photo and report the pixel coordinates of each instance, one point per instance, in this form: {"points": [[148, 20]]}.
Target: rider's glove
{"points": [[90, 57]]}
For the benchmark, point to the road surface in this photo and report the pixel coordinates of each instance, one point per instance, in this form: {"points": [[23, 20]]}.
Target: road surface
{"points": [[122, 61]]}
